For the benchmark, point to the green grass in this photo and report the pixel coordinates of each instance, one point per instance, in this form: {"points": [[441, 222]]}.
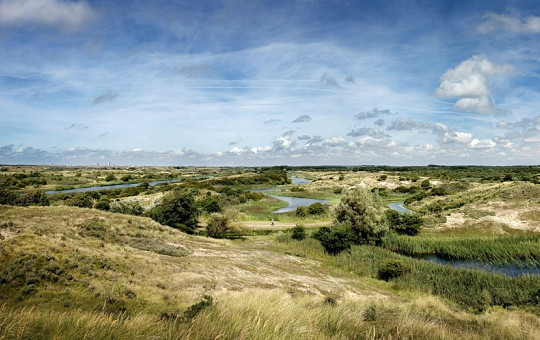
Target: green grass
{"points": [[520, 249], [474, 290]]}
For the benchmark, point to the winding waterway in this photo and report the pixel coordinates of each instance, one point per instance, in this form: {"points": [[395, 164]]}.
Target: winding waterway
{"points": [[294, 202]]}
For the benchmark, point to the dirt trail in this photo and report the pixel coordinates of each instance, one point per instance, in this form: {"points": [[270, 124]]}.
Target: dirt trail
{"points": [[279, 225]]}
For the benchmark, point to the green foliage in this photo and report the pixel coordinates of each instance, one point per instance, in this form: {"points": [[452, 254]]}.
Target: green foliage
{"points": [[103, 205], [338, 190], [316, 209], [218, 226], [35, 197], [210, 204], [298, 232], [335, 240], [131, 207], [391, 269], [126, 178], [195, 309], [370, 314], [297, 189], [301, 212], [80, 200], [110, 177], [177, 209], [405, 224], [363, 212]]}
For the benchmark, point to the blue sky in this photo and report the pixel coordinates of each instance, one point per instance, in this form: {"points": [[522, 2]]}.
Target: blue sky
{"points": [[269, 82]]}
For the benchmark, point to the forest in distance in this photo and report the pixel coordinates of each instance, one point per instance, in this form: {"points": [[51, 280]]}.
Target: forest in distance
{"points": [[199, 252]]}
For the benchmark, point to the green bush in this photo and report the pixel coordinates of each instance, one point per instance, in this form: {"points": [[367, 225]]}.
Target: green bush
{"points": [[80, 200], [404, 224], [298, 232], [391, 269], [335, 240], [301, 212], [178, 210], [103, 205], [316, 209]]}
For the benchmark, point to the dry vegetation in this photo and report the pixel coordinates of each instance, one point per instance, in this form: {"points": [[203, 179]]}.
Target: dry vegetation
{"points": [[78, 273]]}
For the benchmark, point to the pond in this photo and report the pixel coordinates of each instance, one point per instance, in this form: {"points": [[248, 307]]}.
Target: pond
{"points": [[294, 202], [508, 270], [109, 187]]}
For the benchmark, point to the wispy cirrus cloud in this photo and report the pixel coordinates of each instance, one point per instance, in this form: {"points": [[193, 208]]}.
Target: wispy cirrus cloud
{"points": [[60, 13], [510, 23]]}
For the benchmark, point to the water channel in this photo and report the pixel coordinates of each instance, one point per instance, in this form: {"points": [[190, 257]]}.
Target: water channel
{"points": [[294, 202]]}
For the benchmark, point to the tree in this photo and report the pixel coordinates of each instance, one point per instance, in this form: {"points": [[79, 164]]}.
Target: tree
{"points": [[178, 210], [363, 212], [407, 224]]}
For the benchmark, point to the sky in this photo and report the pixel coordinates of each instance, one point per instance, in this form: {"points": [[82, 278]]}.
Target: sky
{"points": [[253, 83]]}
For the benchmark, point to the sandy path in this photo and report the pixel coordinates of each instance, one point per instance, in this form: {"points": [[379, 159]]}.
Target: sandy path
{"points": [[280, 225]]}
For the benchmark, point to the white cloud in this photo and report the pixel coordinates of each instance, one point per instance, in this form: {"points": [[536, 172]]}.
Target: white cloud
{"points": [[335, 141], [470, 80], [45, 12], [479, 104], [482, 144], [514, 24]]}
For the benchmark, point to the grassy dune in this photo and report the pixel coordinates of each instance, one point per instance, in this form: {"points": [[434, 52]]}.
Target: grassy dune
{"points": [[73, 273]]}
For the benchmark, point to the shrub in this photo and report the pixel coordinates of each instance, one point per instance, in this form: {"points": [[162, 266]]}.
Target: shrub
{"points": [[110, 178], [80, 200], [404, 224], [298, 232], [178, 210], [301, 212], [218, 226], [316, 209], [102, 205], [335, 240], [391, 269], [370, 314], [211, 205], [338, 190], [127, 207], [37, 197]]}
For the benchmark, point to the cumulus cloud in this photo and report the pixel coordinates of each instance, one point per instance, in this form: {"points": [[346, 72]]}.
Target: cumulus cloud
{"points": [[375, 112], [270, 121], [482, 144], [448, 136], [469, 81], [302, 119], [508, 23], [58, 13], [408, 124], [379, 122], [106, 97]]}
